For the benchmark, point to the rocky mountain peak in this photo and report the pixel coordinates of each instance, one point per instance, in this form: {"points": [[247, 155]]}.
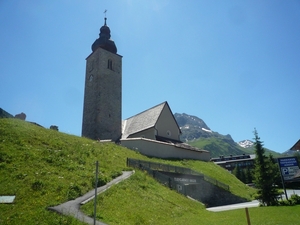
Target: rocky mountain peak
{"points": [[185, 120], [193, 128]]}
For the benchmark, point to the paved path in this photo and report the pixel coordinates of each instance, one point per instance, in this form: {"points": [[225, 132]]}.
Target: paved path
{"points": [[254, 203], [72, 207], [290, 192]]}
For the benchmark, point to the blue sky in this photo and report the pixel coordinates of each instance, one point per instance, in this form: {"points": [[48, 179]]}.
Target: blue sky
{"points": [[234, 64]]}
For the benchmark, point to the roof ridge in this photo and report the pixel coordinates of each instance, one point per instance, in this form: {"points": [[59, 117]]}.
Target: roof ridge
{"points": [[163, 103]]}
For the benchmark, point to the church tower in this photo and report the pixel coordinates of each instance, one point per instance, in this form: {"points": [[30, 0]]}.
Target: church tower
{"points": [[102, 107]]}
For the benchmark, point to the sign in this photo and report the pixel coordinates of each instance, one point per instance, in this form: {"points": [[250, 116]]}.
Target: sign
{"points": [[185, 180], [7, 199], [288, 167]]}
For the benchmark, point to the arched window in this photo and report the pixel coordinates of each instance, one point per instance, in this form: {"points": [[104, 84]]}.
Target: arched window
{"points": [[109, 64]]}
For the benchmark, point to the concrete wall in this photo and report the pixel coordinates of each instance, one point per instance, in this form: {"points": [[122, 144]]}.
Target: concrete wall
{"points": [[163, 150], [198, 188], [210, 195]]}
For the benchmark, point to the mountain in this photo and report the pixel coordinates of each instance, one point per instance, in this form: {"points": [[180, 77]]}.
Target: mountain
{"points": [[196, 133]]}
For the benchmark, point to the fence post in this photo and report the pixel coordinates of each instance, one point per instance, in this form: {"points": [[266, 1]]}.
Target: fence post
{"points": [[247, 215]]}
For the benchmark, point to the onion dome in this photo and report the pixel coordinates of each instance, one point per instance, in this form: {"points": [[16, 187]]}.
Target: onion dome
{"points": [[104, 40]]}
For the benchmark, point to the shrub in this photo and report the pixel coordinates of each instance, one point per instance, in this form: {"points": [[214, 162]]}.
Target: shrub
{"points": [[295, 199]]}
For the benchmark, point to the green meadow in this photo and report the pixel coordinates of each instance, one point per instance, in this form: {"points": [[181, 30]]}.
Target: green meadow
{"points": [[44, 168]]}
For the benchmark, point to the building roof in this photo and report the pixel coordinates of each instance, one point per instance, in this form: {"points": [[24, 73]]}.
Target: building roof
{"points": [[296, 146], [104, 40], [297, 175], [144, 120], [236, 158]]}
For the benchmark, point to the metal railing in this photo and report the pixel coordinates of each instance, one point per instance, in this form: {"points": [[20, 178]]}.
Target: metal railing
{"points": [[151, 167]]}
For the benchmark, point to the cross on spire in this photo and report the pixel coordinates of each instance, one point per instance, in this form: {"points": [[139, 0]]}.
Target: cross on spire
{"points": [[105, 16]]}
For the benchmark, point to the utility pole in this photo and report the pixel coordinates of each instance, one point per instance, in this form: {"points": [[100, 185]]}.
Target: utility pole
{"points": [[95, 199]]}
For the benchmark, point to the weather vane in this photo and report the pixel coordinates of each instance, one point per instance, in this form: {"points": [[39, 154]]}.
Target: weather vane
{"points": [[105, 12]]}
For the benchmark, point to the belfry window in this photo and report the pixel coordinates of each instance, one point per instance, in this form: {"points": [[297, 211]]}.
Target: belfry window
{"points": [[109, 64]]}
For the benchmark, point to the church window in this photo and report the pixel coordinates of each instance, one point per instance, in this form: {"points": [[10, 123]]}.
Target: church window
{"points": [[109, 64]]}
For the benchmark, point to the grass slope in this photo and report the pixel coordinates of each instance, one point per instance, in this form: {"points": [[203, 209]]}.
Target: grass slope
{"points": [[44, 168], [141, 200], [218, 147]]}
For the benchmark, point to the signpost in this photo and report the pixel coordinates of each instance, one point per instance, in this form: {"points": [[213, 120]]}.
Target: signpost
{"points": [[288, 167], [95, 199]]}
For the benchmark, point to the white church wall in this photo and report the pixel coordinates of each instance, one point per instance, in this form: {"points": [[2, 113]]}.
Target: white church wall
{"points": [[163, 150]]}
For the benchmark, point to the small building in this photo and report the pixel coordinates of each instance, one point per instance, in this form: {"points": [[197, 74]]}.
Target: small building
{"points": [[230, 162], [155, 132], [294, 150], [296, 146]]}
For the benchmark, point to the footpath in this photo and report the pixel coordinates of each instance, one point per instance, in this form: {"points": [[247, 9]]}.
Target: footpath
{"points": [[254, 203], [72, 208], [251, 204]]}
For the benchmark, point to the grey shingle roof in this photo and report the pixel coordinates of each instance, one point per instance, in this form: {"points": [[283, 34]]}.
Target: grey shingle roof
{"points": [[142, 121]]}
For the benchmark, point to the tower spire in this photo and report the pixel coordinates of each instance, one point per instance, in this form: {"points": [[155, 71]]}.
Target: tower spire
{"points": [[105, 17], [104, 40]]}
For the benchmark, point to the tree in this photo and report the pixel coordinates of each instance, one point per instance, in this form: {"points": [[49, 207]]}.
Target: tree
{"points": [[237, 171], [265, 174], [248, 175]]}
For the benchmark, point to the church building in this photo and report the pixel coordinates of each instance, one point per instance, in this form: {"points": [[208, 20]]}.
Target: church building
{"points": [[154, 132]]}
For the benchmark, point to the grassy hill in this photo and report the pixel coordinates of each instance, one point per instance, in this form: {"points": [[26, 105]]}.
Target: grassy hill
{"points": [[217, 146], [43, 168]]}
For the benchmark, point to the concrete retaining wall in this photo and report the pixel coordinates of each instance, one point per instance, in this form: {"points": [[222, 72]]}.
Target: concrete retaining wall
{"points": [[163, 150]]}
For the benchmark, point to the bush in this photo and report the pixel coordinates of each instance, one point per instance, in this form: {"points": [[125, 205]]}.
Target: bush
{"points": [[295, 199]]}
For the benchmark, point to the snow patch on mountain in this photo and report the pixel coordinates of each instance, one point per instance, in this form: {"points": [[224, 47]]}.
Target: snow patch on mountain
{"points": [[246, 143], [209, 131], [185, 127]]}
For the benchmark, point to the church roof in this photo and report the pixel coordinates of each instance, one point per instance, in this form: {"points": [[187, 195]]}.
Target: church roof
{"points": [[104, 40], [142, 121]]}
